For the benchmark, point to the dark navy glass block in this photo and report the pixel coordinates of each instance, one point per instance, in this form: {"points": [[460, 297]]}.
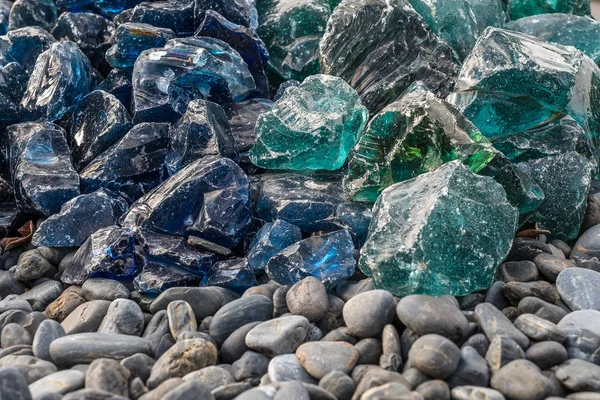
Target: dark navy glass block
{"points": [[235, 275], [60, 78], [99, 121], [158, 276], [79, 218], [107, 253], [202, 131], [133, 38], [118, 83], [246, 42], [24, 46], [40, 166], [328, 257], [285, 85], [114, 7], [176, 15], [240, 12], [270, 240], [13, 79], [131, 167], [42, 13], [355, 218], [242, 120]]}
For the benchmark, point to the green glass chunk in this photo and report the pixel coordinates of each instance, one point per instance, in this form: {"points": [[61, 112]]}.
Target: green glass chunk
{"points": [[526, 8], [565, 180], [442, 233], [583, 33], [312, 126], [291, 29]]}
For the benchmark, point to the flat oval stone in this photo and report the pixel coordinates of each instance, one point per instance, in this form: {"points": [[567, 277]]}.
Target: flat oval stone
{"points": [[92, 394], [578, 288], [104, 289], [14, 335], [64, 305], [550, 266], [541, 308], [582, 319], [123, 317], [579, 375], [286, 368], [14, 302], [32, 265], [238, 313], [13, 385], [308, 298], [83, 348], [205, 301], [235, 345], [367, 313], [539, 329], [435, 356], [251, 365], [278, 336], [47, 332], [42, 295], [494, 323], [341, 356], [181, 318], [211, 377], [519, 271], [426, 315], [338, 384], [472, 370], [546, 354], [181, 359], [501, 351], [86, 318], [33, 368], [60, 382], [189, 390], [475, 393], [522, 380], [109, 376]]}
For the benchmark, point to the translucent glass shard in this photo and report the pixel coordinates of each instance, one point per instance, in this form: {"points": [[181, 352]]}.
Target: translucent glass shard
{"points": [[242, 120], [526, 8], [133, 38], [235, 275], [270, 240]]}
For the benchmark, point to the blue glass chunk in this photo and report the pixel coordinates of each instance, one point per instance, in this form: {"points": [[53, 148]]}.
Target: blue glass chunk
{"points": [[235, 275], [6, 192], [242, 118], [91, 32], [40, 166], [24, 45], [209, 197], [284, 86], [9, 217], [176, 15], [131, 167], [240, 12], [114, 7], [171, 248], [107, 253], [166, 80], [118, 83], [133, 38], [328, 257], [245, 41], [13, 79], [158, 276], [99, 121], [68, 229], [307, 201], [202, 131], [270, 240], [42, 13], [3, 24], [355, 218], [60, 78]]}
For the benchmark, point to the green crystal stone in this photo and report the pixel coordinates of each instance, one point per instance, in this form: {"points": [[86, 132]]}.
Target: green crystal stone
{"points": [[526, 8], [380, 47], [565, 180], [418, 134], [442, 233], [512, 82], [490, 13], [583, 33], [312, 126], [291, 30]]}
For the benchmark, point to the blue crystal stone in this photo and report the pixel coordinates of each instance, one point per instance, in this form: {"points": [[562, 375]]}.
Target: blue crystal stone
{"points": [[107, 253], [60, 78], [42, 13], [239, 12], [270, 240], [328, 257], [65, 229], [9, 217], [242, 118], [284, 86], [174, 249], [99, 121], [176, 15], [131, 167], [166, 80], [114, 7], [13, 80], [526, 8], [24, 45], [209, 198], [133, 38], [158, 276], [91, 32], [307, 201], [565, 180], [118, 83], [564, 29], [6, 192], [202, 131], [355, 218], [40, 167], [235, 275], [246, 42], [3, 24]]}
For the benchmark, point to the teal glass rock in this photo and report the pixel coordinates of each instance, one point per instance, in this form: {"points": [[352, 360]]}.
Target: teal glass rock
{"points": [[442, 233], [565, 180], [489, 13], [291, 29], [269, 240], [526, 8], [313, 126], [362, 46], [513, 82], [583, 33]]}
